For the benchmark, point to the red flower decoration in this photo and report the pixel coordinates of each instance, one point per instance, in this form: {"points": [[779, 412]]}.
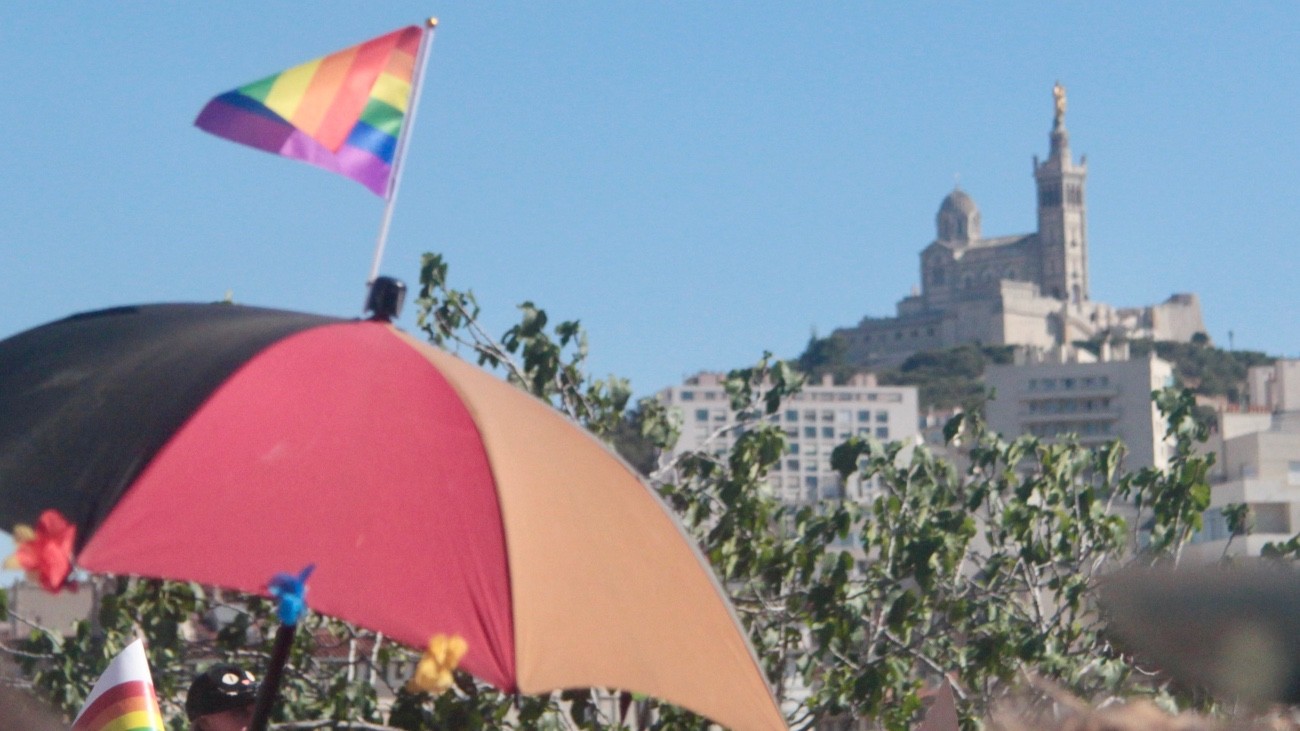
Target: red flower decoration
{"points": [[45, 552]]}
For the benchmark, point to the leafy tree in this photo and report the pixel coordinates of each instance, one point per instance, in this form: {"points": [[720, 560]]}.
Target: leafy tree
{"points": [[829, 355], [983, 575]]}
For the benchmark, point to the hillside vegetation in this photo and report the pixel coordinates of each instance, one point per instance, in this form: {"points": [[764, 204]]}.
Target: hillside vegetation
{"points": [[949, 378]]}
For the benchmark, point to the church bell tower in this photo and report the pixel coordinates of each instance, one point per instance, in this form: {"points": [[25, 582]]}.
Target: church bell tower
{"points": [[1062, 220]]}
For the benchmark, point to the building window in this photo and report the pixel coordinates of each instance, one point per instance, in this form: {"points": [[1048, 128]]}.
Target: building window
{"points": [[1293, 473], [701, 414], [792, 448], [792, 464], [864, 416], [1215, 527], [843, 416], [791, 415], [810, 432], [882, 432], [828, 415], [882, 417], [828, 432], [688, 395]]}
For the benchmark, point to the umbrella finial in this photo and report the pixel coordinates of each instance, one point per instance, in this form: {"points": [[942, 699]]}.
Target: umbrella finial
{"points": [[386, 298]]}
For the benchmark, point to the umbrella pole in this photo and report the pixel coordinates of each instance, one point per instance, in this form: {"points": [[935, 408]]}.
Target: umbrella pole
{"points": [[270, 689]]}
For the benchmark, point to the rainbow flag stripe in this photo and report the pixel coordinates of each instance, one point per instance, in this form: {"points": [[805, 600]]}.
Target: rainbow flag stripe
{"points": [[129, 706], [342, 112]]}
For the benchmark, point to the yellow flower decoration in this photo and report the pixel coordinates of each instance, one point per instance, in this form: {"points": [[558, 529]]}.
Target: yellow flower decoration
{"points": [[433, 674], [22, 533]]}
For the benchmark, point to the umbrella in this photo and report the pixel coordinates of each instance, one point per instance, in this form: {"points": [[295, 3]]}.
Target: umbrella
{"points": [[221, 444]]}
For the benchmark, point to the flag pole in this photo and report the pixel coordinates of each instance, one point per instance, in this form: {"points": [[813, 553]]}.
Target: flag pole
{"points": [[394, 180]]}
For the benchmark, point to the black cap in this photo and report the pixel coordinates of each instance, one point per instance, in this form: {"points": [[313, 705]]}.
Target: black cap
{"points": [[222, 687]]}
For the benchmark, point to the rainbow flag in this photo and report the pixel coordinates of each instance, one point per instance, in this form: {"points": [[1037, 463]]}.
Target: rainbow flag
{"points": [[123, 698], [343, 112]]}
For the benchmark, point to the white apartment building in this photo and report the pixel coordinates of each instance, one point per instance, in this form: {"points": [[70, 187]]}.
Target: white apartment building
{"points": [[1257, 464], [1064, 390], [815, 421]]}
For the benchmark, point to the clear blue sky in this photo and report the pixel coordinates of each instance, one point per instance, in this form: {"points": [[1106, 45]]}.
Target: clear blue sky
{"points": [[695, 182]]}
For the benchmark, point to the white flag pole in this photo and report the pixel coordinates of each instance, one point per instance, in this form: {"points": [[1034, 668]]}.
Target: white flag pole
{"points": [[403, 137]]}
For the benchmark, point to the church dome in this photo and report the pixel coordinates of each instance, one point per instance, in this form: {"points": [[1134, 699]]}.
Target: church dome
{"points": [[958, 218], [958, 202]]}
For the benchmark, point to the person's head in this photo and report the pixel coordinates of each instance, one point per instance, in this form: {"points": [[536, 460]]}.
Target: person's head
{"points": [[221, 699]]}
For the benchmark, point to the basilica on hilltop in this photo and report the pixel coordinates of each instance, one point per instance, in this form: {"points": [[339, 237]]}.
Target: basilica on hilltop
{"points": [[1025, 289]]}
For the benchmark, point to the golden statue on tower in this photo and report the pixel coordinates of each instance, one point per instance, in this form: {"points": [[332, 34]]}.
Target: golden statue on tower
{"points": [[1058, 94]]}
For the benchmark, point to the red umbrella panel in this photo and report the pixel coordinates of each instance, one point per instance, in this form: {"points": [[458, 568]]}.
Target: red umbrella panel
{"points": [[222, 444]]}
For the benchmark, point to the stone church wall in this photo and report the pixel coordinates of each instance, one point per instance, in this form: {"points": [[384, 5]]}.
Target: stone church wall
{"points": [[1177, 318], [1007, 290]]}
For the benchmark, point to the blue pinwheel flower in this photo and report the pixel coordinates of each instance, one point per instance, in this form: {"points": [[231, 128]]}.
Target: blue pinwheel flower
{"points": [[290, 592]]}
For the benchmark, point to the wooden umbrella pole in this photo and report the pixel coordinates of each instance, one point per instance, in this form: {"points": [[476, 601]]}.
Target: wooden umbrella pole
{"points": [[270, 689]]}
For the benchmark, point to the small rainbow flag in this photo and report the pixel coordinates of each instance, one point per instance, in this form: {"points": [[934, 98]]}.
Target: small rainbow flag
{"points": [[343, 112], [123, 698]]}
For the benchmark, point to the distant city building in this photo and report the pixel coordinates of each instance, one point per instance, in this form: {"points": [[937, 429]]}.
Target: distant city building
{"points": [[29, 605], [815, 420], [1257, 464], [1274, 388], [1052, 392], [1024, 289]]}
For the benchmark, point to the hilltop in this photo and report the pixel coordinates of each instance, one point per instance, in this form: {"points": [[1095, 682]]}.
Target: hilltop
{"points": [[951, 377]]}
